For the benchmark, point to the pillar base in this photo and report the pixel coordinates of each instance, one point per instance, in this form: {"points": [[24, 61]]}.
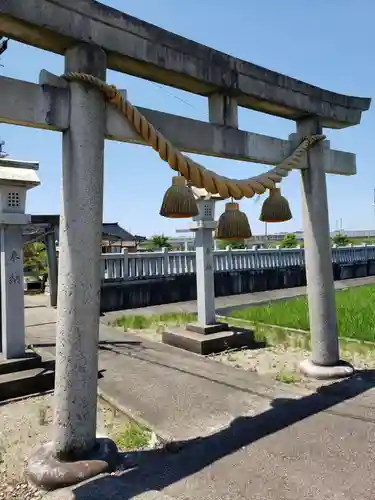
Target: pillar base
{"points": [[46, 471], [207, 329], [208, 343], [340, 370]]}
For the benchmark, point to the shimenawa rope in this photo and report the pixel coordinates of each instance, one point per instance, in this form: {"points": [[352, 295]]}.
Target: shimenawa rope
{"points": [[195, 174]]}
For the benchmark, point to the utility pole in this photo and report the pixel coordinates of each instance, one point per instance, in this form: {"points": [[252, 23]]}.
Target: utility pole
{"points": [[3, 154], [3, 44]]}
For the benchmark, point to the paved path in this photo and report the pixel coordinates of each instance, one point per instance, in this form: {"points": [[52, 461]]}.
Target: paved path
{"points": [[245, 435]]}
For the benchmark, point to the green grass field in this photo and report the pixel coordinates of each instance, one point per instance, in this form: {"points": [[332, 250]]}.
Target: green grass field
{"points": [[355, 313], [140, 322]]}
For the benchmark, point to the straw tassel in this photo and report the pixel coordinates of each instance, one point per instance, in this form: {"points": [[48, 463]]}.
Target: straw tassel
{"points": [[233, 224], [275, 208], [178, 201]]}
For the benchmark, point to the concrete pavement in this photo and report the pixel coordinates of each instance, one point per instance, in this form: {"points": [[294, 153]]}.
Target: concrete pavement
{"points": [[245, 436]]}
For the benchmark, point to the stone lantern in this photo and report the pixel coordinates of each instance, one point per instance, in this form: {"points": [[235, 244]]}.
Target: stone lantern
{"points": [[16, 178]]}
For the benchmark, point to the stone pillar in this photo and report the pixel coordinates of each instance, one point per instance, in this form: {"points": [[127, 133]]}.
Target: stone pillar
{"points": [[12, 292], [223, 110], [325, 362], [74, 453], [79, 256], [203, 227], [205, 277], [50, 243]]}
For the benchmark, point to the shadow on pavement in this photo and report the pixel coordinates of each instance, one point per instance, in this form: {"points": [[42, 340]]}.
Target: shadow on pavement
{"points": [[165, 469]]}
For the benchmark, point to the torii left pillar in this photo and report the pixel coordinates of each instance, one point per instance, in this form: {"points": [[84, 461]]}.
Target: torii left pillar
{"points": [[75, 453]]}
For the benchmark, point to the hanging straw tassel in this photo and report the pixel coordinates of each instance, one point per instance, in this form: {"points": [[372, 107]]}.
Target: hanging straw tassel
{"points": [[275, 208], [178, 201], [233, 224]]}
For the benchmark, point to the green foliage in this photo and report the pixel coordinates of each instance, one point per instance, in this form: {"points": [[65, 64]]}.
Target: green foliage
{"points": [[237, 244], [35, 259], [341, 240], [132, 437], [158, 241], [289, 241], [287, 377]]}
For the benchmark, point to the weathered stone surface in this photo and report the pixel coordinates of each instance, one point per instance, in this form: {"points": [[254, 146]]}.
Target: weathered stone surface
{"points": [[79, 259], [139, 48], [47, 107], [46, 471], [339, 370], [318, 255]]}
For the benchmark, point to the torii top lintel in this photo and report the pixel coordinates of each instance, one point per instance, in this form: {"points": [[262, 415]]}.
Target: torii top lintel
{"points": [[141, 49]]}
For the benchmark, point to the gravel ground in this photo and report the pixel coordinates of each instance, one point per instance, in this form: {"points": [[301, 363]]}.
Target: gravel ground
{"points": [[279, 361], [25, 424], [282, 362]]}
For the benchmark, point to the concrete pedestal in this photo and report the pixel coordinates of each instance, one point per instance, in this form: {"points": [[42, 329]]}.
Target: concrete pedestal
{"points": [[210, 343], [45, 470], [28, 361], [340, 369], [207, 329]]}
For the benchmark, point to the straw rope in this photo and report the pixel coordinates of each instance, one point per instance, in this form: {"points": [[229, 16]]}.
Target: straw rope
{"points": [[194, 173]]}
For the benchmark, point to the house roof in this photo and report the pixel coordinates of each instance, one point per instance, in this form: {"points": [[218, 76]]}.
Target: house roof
{"points": [[115, 231], [111, 230]]}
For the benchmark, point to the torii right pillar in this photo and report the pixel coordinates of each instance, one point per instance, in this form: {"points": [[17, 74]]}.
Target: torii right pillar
{"points": [[325, 360]]}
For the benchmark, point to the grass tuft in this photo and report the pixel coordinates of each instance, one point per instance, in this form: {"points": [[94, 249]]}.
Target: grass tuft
{"points": [[132, 437], [140, 322], [287, 377]]}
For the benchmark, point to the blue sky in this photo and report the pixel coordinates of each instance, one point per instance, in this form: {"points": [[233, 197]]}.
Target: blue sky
{"points": [[329, 44]]}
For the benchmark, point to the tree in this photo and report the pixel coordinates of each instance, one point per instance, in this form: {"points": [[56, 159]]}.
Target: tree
{"points": [[35, 259], [289, 241], [236, 244], [159, 241], [341, 240]]}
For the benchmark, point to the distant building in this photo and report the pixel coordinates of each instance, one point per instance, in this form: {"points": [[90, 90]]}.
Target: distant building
{"points": [[114, 237], [187, 242]]}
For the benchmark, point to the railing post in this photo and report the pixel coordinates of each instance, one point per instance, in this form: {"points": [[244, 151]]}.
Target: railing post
{"points": [[278, 256], [228, 249], [125, 263], [325, 361], [50, 243], [365, 252], [166, 269], [102, 267], [254, 249]]}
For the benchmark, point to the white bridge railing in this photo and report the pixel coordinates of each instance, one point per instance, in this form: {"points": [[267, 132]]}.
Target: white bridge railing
{"points": [[170, 263]]}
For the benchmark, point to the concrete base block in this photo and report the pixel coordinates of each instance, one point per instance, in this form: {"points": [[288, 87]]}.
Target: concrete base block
{"points": [[46, 471], [207, 329], [341, 370], [27, 362], [208, 344]]}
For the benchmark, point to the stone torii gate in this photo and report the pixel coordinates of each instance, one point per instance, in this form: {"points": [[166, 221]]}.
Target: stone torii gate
{"points": [[93, 37]]}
